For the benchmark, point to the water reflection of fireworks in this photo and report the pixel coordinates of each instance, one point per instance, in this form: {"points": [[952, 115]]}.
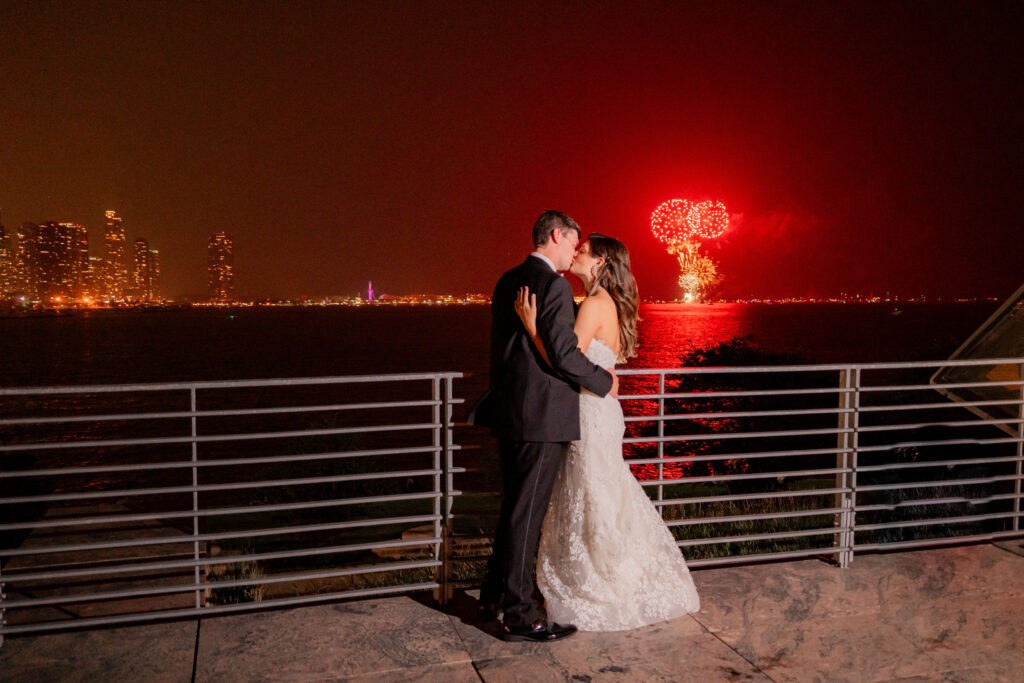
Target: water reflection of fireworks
{"points": [[688, 458]]}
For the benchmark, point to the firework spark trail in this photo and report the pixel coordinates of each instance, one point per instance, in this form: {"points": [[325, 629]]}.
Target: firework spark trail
{"points": [[682, 225]]}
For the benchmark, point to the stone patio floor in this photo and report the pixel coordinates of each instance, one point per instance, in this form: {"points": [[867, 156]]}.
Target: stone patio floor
{"points": [[949, 614]]}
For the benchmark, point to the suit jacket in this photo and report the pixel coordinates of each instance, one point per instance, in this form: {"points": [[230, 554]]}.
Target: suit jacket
{"points": [[532, 401]]}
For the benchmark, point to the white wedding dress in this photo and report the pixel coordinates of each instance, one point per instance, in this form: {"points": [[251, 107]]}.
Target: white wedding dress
{"points": [[607, 562]]}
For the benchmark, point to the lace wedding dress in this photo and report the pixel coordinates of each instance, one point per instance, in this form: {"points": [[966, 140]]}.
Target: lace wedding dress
{"points": [[607, 562]]}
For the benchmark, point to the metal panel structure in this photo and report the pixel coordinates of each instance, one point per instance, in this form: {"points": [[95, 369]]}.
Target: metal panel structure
{"points": [[129, 503], [125, 503]]}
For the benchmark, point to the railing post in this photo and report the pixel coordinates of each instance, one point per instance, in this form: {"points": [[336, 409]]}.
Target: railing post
{"points": [[195, 500], [849, 401], [854, 461], [439, 574], [449, 488], [1020, 452], [661, 444], [3, 598]]}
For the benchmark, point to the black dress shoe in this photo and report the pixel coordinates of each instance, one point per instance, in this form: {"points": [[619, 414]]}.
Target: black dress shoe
{"points": [[489, 611], [537, 632]]}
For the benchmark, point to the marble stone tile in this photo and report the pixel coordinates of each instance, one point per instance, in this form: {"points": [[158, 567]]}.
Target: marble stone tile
{"points": [[966, 633], [328, 642], [978, 675], [446, 673], [738, 597], [853, 648], [937, 574], [153, 652], [1013, 545], [671, 651]]}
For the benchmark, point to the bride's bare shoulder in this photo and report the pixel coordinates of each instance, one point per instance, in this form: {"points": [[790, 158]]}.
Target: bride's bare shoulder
{"points": [[600, 304]]}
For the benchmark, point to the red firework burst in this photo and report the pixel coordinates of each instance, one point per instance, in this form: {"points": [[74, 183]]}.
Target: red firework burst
{"points": [[680, 220]]}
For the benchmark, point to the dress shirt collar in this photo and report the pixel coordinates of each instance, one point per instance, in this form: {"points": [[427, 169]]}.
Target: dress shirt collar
{"points": [[545, 259]]}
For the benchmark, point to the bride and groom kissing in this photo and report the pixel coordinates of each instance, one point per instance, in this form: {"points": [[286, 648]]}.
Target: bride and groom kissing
{"points": [[605, 561]]}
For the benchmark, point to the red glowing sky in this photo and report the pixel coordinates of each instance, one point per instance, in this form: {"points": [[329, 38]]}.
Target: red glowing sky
{"points": [[862, 147]]}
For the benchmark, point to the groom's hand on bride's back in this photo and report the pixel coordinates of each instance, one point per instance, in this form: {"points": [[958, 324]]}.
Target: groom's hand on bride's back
{"points": [[614, 391]]}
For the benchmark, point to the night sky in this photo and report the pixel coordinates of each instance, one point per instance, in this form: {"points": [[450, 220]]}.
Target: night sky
{"points": [[859, 146]]}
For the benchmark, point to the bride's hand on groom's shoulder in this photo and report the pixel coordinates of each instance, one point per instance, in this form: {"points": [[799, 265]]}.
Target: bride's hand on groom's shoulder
{"points": [[526, 308]]}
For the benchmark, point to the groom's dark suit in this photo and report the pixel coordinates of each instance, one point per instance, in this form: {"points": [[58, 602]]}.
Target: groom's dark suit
{"points": [[536, 412]]}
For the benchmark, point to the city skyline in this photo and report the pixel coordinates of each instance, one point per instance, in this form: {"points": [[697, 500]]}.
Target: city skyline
{"points": [[51, 264], [857, 147]]}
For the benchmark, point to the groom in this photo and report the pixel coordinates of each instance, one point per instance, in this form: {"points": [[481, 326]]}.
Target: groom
{"points": [[535, 416]]}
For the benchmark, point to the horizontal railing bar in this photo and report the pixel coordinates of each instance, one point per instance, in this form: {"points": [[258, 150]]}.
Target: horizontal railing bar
{"points": [[752, 496], [950, 423], [735, 435], [187, 588], [209, 611], [215, 512], [936, 463], [726, 519], [18, 577], [227, 384], [934, 484], [762, 537], [736, 456], [219, 413], [947, 442], [951, 385], [723, 416], [939, 540], [742, 477], [761, 557], [946, 404], [939, 520], [234, 486], [821, 367], [936, 501], [188, 464], [150, 441], [172, 540], [737, 393]]}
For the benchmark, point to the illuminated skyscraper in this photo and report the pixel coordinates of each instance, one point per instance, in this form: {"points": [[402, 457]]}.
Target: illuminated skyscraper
{"points": [[115, 257], [24, 262], [142, 274], [61, 260], [220, 268], [94, 287], [6, 263], [154, 274]]}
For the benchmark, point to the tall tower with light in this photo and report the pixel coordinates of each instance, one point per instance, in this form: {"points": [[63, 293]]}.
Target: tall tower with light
{"points": [[115, 258], [220, 268]]}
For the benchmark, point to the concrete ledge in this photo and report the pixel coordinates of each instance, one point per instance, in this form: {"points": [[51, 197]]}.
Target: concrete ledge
{"points": [[383, 638], [954, 614], [154, 652]]}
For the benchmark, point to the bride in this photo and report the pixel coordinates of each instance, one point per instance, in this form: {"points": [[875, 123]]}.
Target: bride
{"points": [[607, 562]]}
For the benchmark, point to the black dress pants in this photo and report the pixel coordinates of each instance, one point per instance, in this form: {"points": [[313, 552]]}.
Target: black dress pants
{"points": [[528, 470]]}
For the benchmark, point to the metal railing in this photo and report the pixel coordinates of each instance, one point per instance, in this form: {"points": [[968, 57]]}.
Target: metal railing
{"points": [[130, 499], [124, 503], [775, 462]]}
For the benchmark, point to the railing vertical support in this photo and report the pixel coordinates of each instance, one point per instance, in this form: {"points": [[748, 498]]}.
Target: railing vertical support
{"points": [[843, 540], [1020, 452], [438, 430], [449, 490], [195, 498], [3, 597], [661, 444]]}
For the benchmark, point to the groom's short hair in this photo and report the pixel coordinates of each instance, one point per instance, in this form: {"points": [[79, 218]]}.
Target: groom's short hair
{"points": [[550, 221]]}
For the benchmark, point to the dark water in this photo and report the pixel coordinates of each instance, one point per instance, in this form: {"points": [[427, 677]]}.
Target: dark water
{"points": [[252, 343]]}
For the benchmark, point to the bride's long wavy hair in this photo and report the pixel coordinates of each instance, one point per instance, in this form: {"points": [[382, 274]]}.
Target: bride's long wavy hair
{"points": [[617, 279]]}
